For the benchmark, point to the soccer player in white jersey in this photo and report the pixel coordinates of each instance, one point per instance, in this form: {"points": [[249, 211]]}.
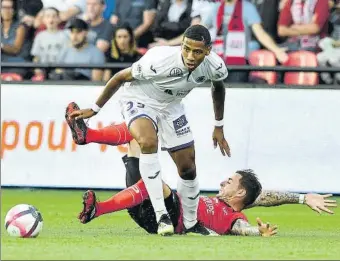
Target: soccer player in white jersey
{"points": [[153, 89]]}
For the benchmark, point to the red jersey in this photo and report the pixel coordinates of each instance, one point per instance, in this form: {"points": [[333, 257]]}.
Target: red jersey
{"points": [[214, 214]]}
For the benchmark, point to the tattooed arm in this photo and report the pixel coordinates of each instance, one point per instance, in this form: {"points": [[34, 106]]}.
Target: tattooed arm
{"points": [[316, 202], [243, 228], [270, 198]]}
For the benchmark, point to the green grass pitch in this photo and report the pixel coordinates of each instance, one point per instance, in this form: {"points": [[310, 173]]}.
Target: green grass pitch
{"points": [[303, 234]]}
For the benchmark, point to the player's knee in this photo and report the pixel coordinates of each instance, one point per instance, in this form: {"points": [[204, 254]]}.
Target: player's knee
{"points": [[148, 144], [188, 172]]}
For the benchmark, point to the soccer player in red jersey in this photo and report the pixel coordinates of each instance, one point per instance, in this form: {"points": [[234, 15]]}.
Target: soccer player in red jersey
{"points": [[221, 213]]}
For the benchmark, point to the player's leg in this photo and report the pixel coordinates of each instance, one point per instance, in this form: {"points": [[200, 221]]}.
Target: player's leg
{"points": [[144, 132], [114, 134], [142, 123], [177, 139]]}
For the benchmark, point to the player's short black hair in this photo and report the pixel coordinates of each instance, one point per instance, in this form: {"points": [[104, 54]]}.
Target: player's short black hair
{"points": [[198, 33], [251, 184]]}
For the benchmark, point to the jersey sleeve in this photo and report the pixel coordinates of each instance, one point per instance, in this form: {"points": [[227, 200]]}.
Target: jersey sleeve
{"points": [[148, 66], [217, 70], [232, 218]]}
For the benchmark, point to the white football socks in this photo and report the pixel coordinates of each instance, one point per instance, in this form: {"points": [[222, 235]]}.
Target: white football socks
{"points": [[150, 171], [188, 191]]}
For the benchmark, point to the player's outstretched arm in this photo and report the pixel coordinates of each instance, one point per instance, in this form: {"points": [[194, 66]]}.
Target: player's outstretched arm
{"points": [[111, 87], [317, 202], [243, 228], [218, 96]]}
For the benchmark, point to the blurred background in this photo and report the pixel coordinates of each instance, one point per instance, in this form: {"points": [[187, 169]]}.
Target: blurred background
{"points": [[100, 32]]}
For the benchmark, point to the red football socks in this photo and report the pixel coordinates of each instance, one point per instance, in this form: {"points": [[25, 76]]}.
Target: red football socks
{"points": [[127, 198], [111, 135]]}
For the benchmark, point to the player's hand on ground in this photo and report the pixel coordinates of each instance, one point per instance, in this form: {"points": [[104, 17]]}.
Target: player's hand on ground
{"points": [[320, 203], [266, 230], [82, 114], [218, 139]]}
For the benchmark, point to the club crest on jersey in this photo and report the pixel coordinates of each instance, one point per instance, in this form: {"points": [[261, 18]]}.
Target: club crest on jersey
{"points": [[175, 72], [200, 79]]}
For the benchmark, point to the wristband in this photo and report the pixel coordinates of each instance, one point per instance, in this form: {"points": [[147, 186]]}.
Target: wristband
{"points": [[301, 199], [219, 123], [95, 108]]}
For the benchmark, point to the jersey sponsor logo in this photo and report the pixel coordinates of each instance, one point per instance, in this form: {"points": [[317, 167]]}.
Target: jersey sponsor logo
{"points": [[200, 79], [209, 204], [178, 93], [180, 122], [182, 93], [175, 72], [180, 126], [153, 69]]}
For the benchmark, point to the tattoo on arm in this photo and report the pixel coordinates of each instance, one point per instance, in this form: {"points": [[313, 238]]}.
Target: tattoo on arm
{"points": [[243, 228], [275, 198], [218, 96]]}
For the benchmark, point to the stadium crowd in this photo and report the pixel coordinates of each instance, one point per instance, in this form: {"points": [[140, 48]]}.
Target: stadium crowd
{"points": [[255, 32]]}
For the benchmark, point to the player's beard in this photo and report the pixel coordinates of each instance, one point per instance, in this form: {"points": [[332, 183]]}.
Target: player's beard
{"points": [[225, 198]]}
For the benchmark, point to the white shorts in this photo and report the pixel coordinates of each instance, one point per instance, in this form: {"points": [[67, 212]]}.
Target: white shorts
{"points": [[171, 124]]}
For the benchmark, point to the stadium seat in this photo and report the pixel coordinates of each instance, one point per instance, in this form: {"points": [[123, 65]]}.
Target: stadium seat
{"points": [[8, 77], [263, 58], [301, 59]]}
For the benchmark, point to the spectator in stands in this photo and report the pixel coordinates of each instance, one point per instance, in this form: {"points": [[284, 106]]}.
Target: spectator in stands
{"points": [[48, 44], [100, 30], [201, 13], [234, 23], [26, 8], [123, 49], [15, 41], [140, 15], [330, 46], [269, 18], [172, 18], [109, 9], [304, 23], [80, 52], [67, 8]]}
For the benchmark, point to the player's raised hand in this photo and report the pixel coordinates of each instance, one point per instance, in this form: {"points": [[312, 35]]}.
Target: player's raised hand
{"points": [[320, 203], [218, 138], [82, 114], [266, 229]]}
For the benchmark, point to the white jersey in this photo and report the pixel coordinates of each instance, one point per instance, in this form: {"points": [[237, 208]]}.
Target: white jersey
{"points": [[163, 78]]}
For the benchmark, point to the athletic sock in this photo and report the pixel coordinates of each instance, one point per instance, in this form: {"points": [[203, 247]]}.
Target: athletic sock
{"points": [[127, 198], [188, 190], [115, 134], [150, 171]]}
